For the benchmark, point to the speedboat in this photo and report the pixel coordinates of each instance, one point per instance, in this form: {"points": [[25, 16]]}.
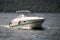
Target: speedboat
{"points": [[26, 22]]}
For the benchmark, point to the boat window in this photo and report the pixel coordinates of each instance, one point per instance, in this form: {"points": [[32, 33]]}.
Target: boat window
{"points": [[10, 23], [24, 21], [19, 22]]}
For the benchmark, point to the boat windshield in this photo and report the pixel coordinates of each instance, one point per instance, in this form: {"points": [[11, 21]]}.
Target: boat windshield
{"points": [[23, 13]]}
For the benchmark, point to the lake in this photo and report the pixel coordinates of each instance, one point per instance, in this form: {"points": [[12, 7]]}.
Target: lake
{"points": [[52, 21]]}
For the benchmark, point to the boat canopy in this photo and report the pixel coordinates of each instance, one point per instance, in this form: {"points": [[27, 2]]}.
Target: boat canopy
{"points": [[23, 11]]}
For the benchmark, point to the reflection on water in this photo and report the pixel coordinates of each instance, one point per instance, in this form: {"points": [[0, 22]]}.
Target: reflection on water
{"points": [[52, 21]]}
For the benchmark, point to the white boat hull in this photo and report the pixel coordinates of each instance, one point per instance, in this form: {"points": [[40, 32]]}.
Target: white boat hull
{"points": [[30, 24]]}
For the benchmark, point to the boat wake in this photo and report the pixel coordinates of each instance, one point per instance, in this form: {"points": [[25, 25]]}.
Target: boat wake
{"points": [[25, 28]]}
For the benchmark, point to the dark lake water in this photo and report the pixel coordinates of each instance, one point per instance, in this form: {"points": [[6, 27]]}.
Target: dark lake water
{"points": [[52, 22]]}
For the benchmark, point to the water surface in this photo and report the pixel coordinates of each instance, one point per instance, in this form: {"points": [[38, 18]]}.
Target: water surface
{"points": [[52, 20]]}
